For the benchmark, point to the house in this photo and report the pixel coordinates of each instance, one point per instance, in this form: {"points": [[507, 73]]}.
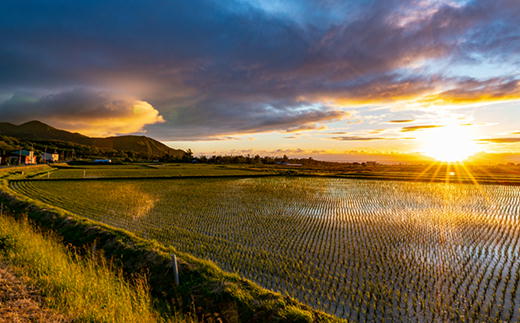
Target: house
{"points": [[50, 158], [23, 156]]}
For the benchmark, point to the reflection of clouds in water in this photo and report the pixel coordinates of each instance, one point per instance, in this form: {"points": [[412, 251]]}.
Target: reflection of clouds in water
{"points": [[136, 202]]}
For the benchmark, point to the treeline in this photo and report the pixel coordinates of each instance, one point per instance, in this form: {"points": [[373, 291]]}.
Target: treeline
{"points": [[248, 159], [266, 160]]}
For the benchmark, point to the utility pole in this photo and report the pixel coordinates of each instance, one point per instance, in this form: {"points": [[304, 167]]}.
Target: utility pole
{"points": [[175, 269]]}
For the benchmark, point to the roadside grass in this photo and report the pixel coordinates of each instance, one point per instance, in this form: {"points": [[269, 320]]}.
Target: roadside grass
{"points": [[83, 288]]}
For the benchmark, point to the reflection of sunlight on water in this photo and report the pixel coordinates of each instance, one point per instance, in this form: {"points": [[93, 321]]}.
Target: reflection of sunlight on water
{"points": [[439, 217], [136, 202]]}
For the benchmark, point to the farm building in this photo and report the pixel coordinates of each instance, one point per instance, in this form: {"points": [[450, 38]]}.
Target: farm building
{"points": [[23, 156], [50, 158]]}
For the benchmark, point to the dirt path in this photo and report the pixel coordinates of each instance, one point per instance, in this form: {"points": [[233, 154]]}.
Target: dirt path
{"points": [[20, 302]]}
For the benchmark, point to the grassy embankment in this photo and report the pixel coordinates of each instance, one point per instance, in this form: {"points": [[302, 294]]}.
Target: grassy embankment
{"points": [[83, 288], [204, 288]]}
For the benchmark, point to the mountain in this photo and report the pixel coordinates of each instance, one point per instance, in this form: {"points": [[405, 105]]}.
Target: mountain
{"points": [[141, 145], [137, 144], [36, 130]]}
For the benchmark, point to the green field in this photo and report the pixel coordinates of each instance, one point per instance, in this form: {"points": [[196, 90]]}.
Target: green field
{"points": [[150, 170], [359, 249]]}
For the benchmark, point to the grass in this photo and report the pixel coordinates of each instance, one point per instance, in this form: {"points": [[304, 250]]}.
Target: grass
{"points": [[83, 288], [24, 171]]}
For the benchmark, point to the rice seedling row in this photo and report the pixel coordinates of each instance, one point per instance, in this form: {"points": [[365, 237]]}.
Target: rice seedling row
{"points": [[119, 171], [359, 249]]}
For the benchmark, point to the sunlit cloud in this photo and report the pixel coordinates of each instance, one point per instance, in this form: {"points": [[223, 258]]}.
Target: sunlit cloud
{"points": [[502, 140], [89, 112], [401, 121], [359, 138], [417, 128], [306, 127], [474, 91]]}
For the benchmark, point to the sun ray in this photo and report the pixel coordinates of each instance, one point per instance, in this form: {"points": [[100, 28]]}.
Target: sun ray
{"points": [[421, 174], [476, 183], [437, 170], [447, 173]]}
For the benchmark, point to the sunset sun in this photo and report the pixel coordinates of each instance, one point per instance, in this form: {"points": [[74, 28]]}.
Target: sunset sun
{"points": [[453, 143]]}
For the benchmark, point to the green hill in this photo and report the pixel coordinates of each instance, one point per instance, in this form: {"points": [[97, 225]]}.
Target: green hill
{"points": [[39, 132]]}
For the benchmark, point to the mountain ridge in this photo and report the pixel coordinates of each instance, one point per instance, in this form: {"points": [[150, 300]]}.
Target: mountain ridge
{"points": [[38, 131]]}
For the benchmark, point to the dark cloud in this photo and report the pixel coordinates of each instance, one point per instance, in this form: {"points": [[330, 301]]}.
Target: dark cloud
{"points": [[501, 140], [227, 117], [416, 128], [222, 67]]}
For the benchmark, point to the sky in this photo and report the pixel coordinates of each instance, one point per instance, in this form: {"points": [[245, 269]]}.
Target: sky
{"points": [[335, 80]]}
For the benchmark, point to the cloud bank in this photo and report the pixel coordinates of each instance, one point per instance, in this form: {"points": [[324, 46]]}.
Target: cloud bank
{"points": [[89, 112], [210, 68]]}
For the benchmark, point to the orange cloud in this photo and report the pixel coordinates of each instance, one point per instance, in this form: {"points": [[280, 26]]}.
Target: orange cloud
{"points": [[305, 127], [416, 128], [501, 140], [134, 116], [472, 91], [401, 121], [421, 92], [359, 138], [92, 113]]}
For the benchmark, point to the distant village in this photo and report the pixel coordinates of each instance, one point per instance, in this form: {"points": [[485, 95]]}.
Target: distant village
{"points": [[27, 157]]}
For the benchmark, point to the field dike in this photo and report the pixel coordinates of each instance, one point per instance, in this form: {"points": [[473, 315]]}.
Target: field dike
{"points": [[204, 288]]}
